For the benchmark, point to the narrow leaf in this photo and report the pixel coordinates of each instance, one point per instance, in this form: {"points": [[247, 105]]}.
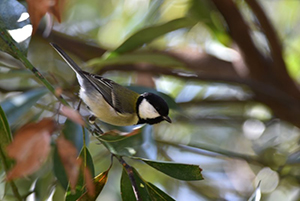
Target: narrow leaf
{"points": [[5, 136], [176, 170], [143, 190], [18, 105], [148, 34], [158, 194], [125, 144], [59, 170], [133, 187], [154, 58]]}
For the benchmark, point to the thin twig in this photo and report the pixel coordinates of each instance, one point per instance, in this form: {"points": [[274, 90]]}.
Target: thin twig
{"points": [[129, 171], [215, 151]]}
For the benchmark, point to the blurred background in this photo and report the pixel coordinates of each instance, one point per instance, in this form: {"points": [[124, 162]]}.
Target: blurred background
{"points": [[235, 118]]}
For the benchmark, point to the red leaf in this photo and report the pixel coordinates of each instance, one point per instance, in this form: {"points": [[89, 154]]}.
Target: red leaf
{"points": [[68, 155], [89, 182], [38, 8], [30, 147], [72, 114]]}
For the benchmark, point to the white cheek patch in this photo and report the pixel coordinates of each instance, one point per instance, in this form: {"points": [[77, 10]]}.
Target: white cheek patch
{"points": [[147, 111]]}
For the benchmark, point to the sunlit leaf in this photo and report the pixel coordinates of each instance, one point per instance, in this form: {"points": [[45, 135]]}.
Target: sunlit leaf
{"points": [[14, 107], [99, 182], [177, 170], [145, 190], [18, 27], [30, 147], [146, 35], [59, 193], [206, 12]]}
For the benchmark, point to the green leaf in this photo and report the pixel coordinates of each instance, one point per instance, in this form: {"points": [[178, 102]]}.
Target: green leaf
{"points": [[122, 145], [205, 12], [177, 170], [157, 193], [16, 74], [59, 170], [18, 105], [10, 13], [146, 35], [2, 185], [43, 186], [156, 59], [5, 133], [127, 192], [146, 190], [99, 182], [59, 193], [80, 186], [6, 138], [74, 133]]}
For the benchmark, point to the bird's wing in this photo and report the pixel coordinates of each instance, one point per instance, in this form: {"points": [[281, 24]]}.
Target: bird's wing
{"points": [[122, 101]]}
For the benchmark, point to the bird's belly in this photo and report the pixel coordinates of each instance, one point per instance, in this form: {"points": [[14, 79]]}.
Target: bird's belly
{"points": [[103, 111]]}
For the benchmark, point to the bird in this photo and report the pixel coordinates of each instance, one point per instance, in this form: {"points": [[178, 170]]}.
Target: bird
{"points": [[115, 104]]}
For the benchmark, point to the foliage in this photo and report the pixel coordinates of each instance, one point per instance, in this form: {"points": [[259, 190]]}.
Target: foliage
{"points": [[234, 110]]}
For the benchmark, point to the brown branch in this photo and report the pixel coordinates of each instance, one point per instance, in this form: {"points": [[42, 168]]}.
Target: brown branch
{"points": [[240, 32], [130, 174], [279, 69]]}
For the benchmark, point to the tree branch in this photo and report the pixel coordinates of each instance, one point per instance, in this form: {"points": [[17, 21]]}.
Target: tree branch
{"points": [[240, 32], [279, 69]]}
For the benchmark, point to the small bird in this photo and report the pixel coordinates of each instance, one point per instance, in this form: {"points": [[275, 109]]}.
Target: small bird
{"points": [[113, 103]]}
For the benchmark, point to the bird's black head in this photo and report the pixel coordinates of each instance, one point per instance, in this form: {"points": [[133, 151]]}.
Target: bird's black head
{"points": [[152, 109]]}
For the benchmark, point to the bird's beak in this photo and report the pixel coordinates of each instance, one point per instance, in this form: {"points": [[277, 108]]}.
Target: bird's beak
{"points": [[167, 119]]}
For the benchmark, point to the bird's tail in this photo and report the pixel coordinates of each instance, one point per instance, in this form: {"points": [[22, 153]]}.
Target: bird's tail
{"points": [[68, 59]]}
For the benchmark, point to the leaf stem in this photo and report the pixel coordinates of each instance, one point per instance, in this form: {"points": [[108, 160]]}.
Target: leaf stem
{"points": [[129, 171]]}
